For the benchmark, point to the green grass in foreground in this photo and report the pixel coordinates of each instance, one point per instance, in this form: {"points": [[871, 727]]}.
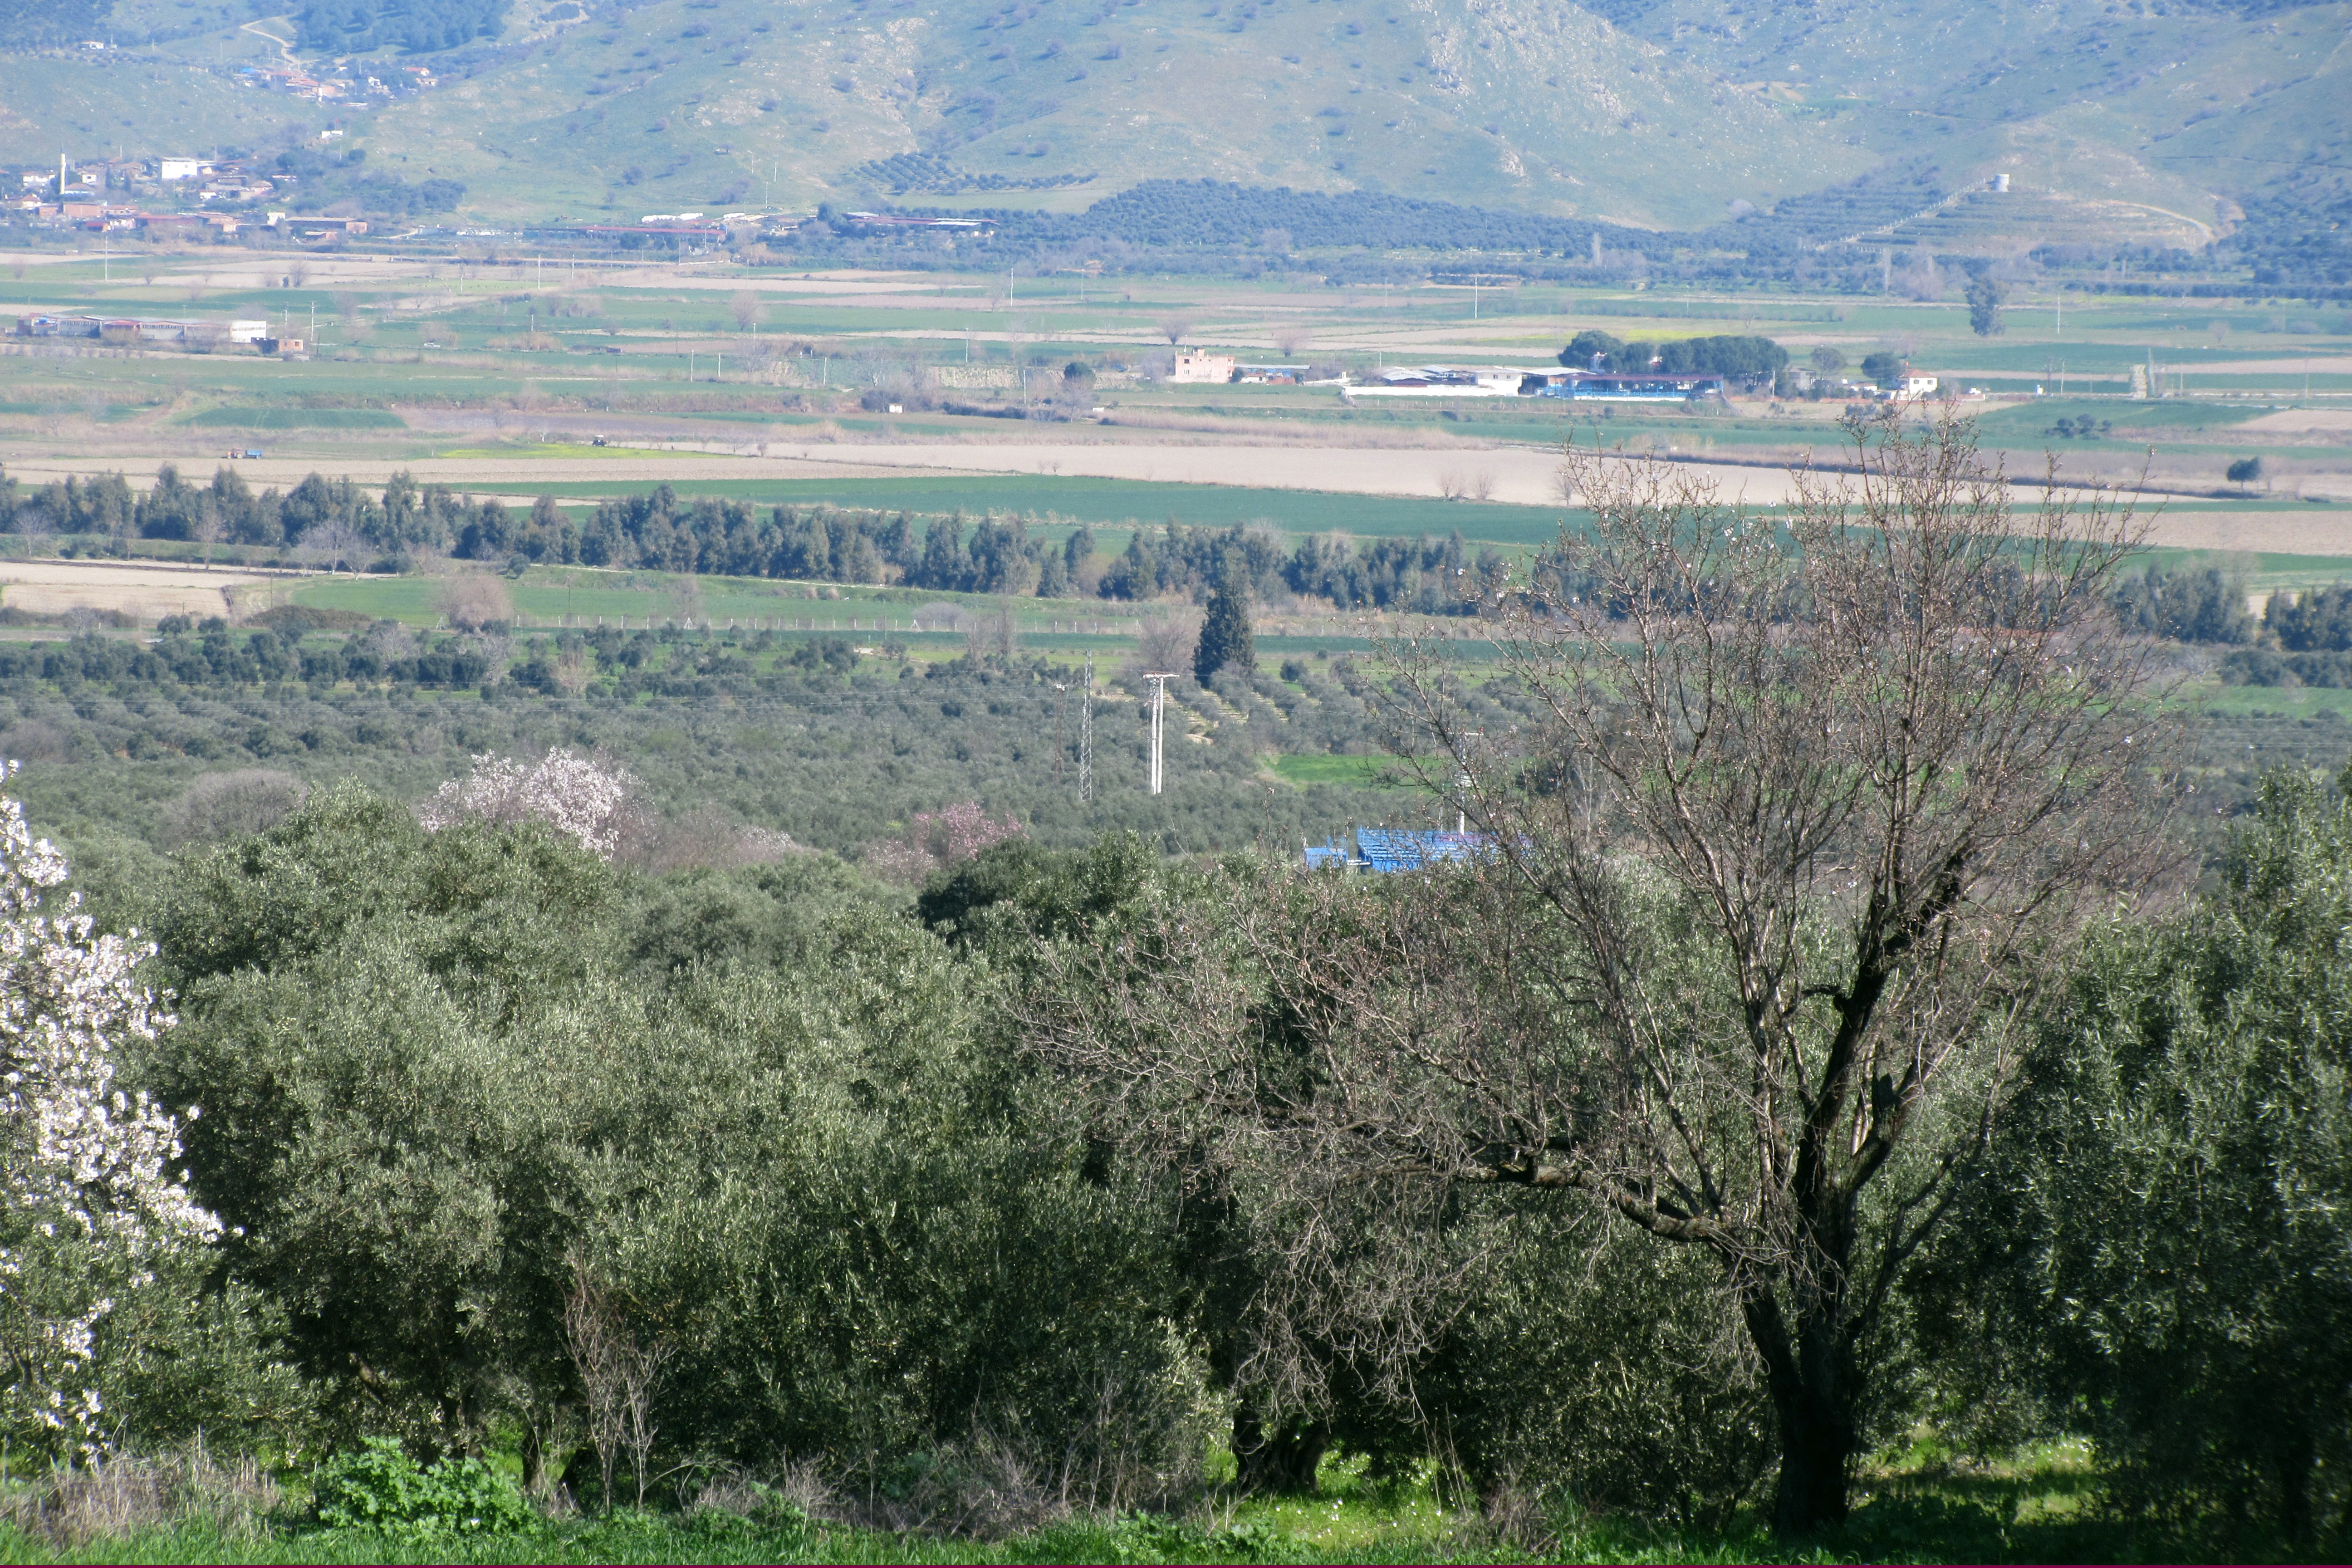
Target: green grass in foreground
{"points": [[2037, 1508]]}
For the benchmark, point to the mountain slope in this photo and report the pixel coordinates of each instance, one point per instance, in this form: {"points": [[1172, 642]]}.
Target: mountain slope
{"points": [[1500, 105], [2139, 123], [2135, 121]]}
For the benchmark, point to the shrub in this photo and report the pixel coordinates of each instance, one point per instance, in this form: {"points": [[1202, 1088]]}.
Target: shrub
{"points": [[476, 603], [381, 1487], [95, 1220], [231, 806]]}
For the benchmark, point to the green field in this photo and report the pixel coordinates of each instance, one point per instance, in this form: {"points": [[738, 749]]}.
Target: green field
{"points": [[283, 418], [1128, 501]]}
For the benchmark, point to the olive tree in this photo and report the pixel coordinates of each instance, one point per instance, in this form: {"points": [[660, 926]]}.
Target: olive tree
{"points": [[1804, 817], [2156, 1254]]}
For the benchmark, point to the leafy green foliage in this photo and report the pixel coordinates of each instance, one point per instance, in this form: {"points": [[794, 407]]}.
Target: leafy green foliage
{"points": [[2187, 607], [2156, 1256], [2318, 620], [1985, 295], [380, 1488], [1225, 639], [1597, 1374]]}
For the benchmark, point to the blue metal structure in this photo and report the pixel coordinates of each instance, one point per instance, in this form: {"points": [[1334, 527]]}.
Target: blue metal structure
{"points": [[1390, 849]]}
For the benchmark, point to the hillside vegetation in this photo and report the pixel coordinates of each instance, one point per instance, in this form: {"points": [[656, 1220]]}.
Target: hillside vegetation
{"points": [[2144, 123]]}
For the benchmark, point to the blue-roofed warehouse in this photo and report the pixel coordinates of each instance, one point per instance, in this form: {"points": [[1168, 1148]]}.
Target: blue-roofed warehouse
{"points": [[1395, 849]]}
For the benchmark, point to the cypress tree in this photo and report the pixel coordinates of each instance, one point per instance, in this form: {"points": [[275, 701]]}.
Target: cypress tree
{"points": [[1225, 639]]}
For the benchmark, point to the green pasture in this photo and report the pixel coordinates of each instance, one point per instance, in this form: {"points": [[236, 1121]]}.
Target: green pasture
{"points": [[1365, 773], [279, 417], [586, 597], [2282, 701], [1119, 502], [582, 596]]}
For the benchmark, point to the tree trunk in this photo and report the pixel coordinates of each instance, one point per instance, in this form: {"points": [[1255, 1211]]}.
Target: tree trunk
{"points": [[1816, 1442], [2296, 1453], [1810, 1376], [1282, 1459]]}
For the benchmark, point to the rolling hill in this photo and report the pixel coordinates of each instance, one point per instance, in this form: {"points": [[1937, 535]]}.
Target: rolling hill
{"points": [[2150, 122]]}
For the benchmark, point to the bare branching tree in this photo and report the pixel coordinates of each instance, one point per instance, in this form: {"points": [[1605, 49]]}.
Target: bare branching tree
{"points": [[618, 1379], [1809, 816]]}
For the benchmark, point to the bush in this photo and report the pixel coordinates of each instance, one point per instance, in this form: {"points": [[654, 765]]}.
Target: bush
{"points": [[231, 806], [1601, 1372], [2156, 1254], [381, 1487]]}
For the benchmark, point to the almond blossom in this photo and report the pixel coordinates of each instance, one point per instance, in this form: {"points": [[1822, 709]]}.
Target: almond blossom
{"points": [[949, 836], [89, 1198], [573, 793]]}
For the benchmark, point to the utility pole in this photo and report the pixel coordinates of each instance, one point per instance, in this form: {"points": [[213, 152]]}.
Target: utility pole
{"points": [[1061, 747], [1463, 782], [1087, 736], [1160, 679]]}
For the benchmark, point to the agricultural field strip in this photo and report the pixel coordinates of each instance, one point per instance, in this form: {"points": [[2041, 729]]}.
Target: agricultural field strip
{"points": [[1519, 477], [56, 587]]}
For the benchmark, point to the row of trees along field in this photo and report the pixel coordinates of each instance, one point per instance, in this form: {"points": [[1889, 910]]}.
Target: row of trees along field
{"points": [[659, 531], [1830, 1044]]}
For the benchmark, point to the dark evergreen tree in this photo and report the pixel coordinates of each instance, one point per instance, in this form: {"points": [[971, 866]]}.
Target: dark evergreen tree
{"points": [[1984, 305], [1225, 639]]}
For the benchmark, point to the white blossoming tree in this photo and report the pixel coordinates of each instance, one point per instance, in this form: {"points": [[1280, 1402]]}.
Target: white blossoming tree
{"points": [[574, 794], [92, 1207]]}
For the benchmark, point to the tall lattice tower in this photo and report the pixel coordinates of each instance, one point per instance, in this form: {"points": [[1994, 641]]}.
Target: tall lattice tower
{"points": [[1087, 736]]}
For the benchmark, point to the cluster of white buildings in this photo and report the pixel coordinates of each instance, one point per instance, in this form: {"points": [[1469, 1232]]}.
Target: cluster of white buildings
{"points": [[1199, 366]]}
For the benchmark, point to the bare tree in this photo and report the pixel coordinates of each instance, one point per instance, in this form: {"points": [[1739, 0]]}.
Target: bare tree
{"points": [[1175, 329], [1291, 340], [618, 1379], [209, 527], [1808, 822], [475, 600], [747, 309]]}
